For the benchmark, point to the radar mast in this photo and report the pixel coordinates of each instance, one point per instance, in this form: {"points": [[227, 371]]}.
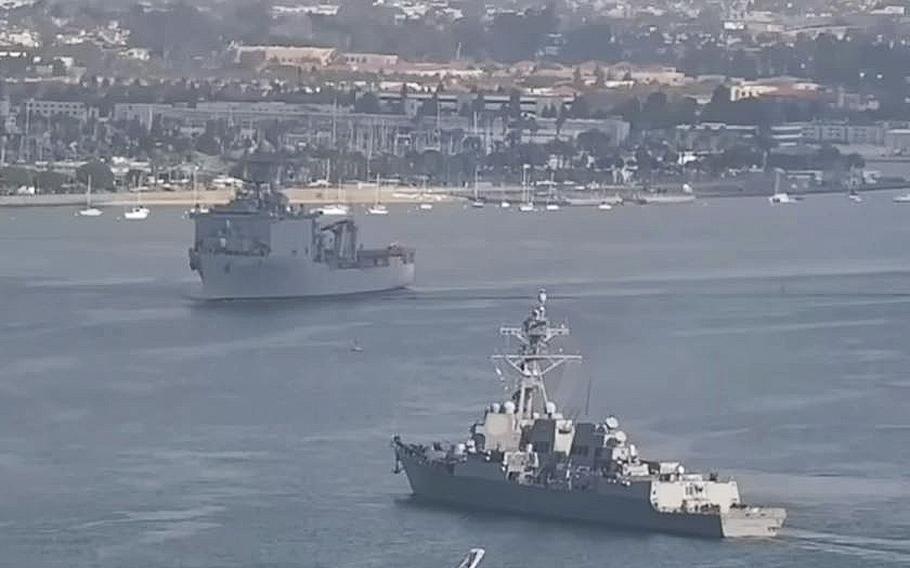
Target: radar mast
{"points": [[534, 359]]}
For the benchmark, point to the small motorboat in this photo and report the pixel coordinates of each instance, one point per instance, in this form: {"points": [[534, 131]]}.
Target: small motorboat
{"points": [[332, 210], [137, 213], [89, 212], [473, 558], [378, 209], [781, 198]]}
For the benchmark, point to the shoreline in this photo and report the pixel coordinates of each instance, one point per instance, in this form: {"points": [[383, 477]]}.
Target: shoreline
{"points": [[308, 196], [349, 196]]}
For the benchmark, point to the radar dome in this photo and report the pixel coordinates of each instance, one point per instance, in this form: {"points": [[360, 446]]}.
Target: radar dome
{"points": [[495, 408], [612, 422], [620, 436], [509, 407], [680, 469], [551, 407]]}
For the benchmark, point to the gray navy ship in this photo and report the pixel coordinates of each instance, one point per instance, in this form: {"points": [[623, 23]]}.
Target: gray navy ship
{"points": [[527, 458], [259, 246]]}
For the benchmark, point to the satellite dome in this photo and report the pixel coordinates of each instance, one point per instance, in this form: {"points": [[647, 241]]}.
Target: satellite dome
{"points": [[509, 407], [551, 407], [612, 422], [495, 408], [620, 436]]}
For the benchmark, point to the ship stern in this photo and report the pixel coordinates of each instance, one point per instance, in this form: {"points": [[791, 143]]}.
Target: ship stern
{"points": [[752, 522]]}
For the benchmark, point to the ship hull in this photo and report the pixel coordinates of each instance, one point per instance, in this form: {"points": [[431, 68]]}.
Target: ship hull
{"points": [[626, 508], [250, 277]]}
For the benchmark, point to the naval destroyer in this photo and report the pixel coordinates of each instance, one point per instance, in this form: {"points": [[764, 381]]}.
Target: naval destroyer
{"points": [[259, 246], [527, 458]]}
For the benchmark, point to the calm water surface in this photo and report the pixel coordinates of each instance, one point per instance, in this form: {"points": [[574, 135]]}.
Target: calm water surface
{"points": [[139, 427]]}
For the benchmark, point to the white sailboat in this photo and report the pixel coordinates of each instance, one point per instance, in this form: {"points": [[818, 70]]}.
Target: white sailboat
{"points": [[504, 204], [527, 203], [477, 203], [604, 206], [137, 212], [780, 197], [377, 208], [552, 203], [198, 208], [905, 198], [89, 211], [425, 204], [335, 209]]}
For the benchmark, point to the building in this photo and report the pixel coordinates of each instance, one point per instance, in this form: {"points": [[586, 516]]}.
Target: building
{"points": [[844, 133], [784, 135], [47, 109], [898, 140], [258, 55], [368, 62]]}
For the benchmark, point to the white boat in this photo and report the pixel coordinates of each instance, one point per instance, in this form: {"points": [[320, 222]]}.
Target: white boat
{"points": [[425, 206], [604, 206], [905, 198], [473, 558], [377, 208], [552, 207], [334, 209], [476, 203], [854, 197], [504, 205], [527, 202], [89, 211], [780, 197], [197, 209], [137, 213]]}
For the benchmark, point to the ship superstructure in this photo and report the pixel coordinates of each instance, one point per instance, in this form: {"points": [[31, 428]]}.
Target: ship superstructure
{"points": [[259, 246], [526, 457]]}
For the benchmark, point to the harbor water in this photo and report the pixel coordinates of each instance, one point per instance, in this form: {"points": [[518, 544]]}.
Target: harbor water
{"points": [[141, 427]]}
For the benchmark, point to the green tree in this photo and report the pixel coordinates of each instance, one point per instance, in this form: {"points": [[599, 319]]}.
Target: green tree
{"points": [[100, 174]]}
